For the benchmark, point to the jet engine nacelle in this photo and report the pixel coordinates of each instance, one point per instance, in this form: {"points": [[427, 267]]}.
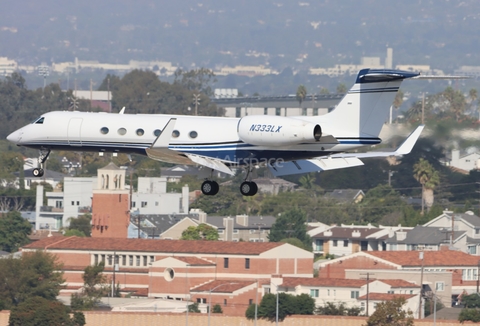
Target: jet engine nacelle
{"points": [[277, 131]]}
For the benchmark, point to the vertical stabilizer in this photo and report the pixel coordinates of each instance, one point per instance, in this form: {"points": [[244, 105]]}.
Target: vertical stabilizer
{"points": [[365, 107]]}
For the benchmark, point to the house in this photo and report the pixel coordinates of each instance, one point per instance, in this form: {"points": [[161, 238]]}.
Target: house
{"points": [[467, 162], [425, 238], [446, 273], [346, 239], [222, 272], [352, 292], [466, 222], [175, 173], [346, 195], [274, 185]]}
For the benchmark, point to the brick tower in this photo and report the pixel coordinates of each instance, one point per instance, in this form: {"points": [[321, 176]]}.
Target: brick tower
{"points": [[110, 204]]}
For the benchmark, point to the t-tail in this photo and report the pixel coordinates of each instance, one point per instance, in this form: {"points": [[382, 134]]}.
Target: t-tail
{"points": [[366, 106]]}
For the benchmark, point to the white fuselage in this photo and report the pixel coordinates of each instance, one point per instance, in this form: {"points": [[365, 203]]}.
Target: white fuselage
{"points": [[214, 137]]}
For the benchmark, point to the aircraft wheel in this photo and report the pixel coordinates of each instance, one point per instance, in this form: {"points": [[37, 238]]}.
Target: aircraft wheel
{"points": [[210, 188], [248, 188], [37, 172]]}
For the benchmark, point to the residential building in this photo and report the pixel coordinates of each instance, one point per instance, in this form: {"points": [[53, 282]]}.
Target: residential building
{"points": [[446, 273], [346, 195], [466, 162], [352, 292], [346, 239], [221, 272], [274, 185]]}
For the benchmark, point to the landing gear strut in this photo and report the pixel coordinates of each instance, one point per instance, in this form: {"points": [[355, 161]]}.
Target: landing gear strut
{"points": [[38, 172]]}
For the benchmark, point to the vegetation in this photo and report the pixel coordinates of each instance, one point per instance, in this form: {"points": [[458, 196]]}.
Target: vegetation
{"points": [[288, 304], [217, 309], [193, 307], [390, 313], [200, 232], [93, 289], [291, 224], [14, 231], [469, 314], [337, 309], [80, 226]]}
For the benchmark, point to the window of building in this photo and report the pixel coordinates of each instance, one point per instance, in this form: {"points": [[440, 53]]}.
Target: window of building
{"points": [[247, 263], [103, 258], [58, 204], [439, 286], [362, 306], [152, 259], [95, 259], [334, 293], [304, 111], [318, 245], [144, 204], [134, 204], [354, 294], [224, 302], [73, 203], [314, 293], [169, 274], [145, 260], [235, 230], [335, 243], [220, 231], [238, 112], [130, 260], [315, 111], [345, 243], [110, 259], [250, 301], [78, 203], [328, 292], [138, 260], [390, 292], [472, 250], [124, 260], [225, 262], [201, 300], [411, 291]]}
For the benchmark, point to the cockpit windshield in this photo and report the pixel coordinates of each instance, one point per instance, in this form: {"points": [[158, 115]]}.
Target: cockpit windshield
{"points": [[38, 120]]}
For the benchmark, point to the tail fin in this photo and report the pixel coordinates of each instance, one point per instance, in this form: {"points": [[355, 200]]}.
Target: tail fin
{"points": [[365, 107]]}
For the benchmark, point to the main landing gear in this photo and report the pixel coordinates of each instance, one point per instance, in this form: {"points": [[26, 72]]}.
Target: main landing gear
{"points": [[248, 188], [210, 188], [38, 172]]}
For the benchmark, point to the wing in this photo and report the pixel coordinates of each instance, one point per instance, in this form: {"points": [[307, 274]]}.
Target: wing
{"points": [[160, 151], [341, 161]]}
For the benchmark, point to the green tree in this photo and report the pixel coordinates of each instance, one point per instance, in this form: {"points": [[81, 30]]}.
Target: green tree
{"points": [[456, 100], [469, 314], [74, 232], [429, 178], [201, 232], [380, 202], [193, 307], [217, 309], [297, 243], [40, 311], [35, 274], [291, 224], [94, 288], [199, 80], [307, 181], [14, 231], [301, 94], [288, 304], [391, 313], [471, 301], [82, 224]]}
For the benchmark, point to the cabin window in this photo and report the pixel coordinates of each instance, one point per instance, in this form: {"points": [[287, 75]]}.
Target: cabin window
{"points": [[157, 132], [140, 132], [175, 133], [104, 130], [193, 134], [40, 121], [122, 131]]}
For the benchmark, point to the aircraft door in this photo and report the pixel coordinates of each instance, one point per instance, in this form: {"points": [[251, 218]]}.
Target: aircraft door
{"points": [[74, 132]]}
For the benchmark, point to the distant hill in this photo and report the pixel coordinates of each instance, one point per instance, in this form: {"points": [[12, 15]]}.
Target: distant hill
{"points": [[208, 33]]}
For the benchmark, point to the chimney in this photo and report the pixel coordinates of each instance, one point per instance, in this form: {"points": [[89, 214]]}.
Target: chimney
{"points": [[356, 234], [228, 234]]}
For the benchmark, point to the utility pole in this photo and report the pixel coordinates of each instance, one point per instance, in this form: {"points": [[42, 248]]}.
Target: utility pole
{"points": [[196, 101], [421, 253], [423, 108], [368, 289]]}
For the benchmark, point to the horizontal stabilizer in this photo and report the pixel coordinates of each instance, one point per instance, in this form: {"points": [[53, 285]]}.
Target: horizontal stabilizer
{"points": [[210, 163], [405, 148], [313, 165]]}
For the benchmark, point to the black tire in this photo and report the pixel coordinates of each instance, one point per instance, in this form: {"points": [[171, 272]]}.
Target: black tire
{"points": [[42, 172], [254, 189], [215, 188], [37, 172], [246, 188]]}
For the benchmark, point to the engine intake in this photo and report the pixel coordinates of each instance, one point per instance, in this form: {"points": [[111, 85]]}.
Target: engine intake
{"points": [[277, 131]]}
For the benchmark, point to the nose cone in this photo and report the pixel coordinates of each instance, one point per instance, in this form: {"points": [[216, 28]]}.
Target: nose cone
{"points": [[15, 136]]}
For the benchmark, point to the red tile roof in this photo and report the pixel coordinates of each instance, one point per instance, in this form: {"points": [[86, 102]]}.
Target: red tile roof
{"points": [[431, 258], [384, 296], [159, 246], [291, 282], [142, 292], [194, 261], [397, 283], [222, 286]]}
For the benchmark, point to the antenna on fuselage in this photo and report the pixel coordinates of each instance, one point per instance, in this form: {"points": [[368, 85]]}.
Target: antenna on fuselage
{"points": [[122, 111]]}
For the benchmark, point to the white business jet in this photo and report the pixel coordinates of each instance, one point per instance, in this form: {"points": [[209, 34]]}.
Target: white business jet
{"points": [[286, 145]]}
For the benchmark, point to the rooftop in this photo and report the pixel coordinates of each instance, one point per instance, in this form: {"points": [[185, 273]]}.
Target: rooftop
{"points": [[222, 286], [431, 258]]}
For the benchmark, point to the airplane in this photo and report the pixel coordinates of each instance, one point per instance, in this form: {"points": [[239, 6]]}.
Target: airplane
{"points": [[286, 145]]}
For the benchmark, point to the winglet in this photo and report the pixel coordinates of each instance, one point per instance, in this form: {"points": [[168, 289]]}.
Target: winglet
{"points": [[122, 111], [163, 140], [408, 144]]}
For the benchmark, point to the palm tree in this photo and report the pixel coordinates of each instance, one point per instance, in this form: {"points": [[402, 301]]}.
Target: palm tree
{"points": [[473, 95], [429, 178], [456, 99], [301, 94], [307, 181]]}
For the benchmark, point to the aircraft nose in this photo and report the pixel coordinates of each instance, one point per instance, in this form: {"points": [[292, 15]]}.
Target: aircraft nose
{"points": [[15, 136]]}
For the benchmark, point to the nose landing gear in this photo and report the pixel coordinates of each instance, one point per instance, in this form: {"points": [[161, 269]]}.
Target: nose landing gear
{"points": [[38, 171]]}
